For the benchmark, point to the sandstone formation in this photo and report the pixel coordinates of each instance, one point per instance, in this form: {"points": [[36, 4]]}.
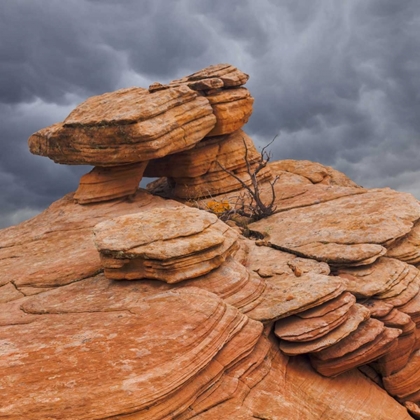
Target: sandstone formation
{"points": [[203, 171], [104, 184], [157, 245], [314, 172], [134, 125], [127, 126], [369, 222], [118, 303]]}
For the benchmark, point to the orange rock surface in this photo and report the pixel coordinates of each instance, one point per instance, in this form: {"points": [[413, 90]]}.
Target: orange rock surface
{"points": [[202, 171], [234, 320], [127, 126], [103, 184], [312, 231]]}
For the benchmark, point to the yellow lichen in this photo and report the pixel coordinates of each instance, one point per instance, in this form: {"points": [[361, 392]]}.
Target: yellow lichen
{"points": [[218, 207]]}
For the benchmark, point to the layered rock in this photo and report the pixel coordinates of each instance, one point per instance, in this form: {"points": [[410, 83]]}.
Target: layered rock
{"points": [[206, 170], [134, 125], [368, 223], [58, 248], [232, 104], [408, 247], [202, 336], [210, 324], [314, 172], [159, 244], [127, 126], [104, 184], [385, 279]]}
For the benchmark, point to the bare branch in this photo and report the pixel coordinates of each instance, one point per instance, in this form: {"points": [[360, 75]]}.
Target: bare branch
{"points": [[257, 208]]}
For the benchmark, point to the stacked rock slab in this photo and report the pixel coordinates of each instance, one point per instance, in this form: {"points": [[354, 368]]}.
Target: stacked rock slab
{"points": [[155, 245], [384, 328], [158, 244], [206, 170], [119, 132], [313, 311], [93, 347]]}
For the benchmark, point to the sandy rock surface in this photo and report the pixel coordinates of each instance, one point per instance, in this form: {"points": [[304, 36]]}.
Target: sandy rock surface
{"points": [[117, 303]]}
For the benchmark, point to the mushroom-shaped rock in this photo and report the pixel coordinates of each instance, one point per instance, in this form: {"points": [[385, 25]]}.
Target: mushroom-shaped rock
{"points": [[122, 131], [164, 244]]}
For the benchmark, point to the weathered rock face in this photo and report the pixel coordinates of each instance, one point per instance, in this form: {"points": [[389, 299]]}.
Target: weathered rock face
{"points": [[210, 324], [204, 170], [202, 337], [368, 223], [314, 172], [127, 126], [104, 184], [135, 125], [158, 245], [232, 109], [58, 248]]}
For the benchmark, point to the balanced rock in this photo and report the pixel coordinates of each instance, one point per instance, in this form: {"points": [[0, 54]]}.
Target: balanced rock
{"points": [[135, 125], [127, 126], [203, 322]]}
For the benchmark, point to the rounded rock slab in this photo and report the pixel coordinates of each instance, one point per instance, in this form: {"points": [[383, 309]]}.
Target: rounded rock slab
{"points": [[130, 231], [127, 126], [345, 231]]}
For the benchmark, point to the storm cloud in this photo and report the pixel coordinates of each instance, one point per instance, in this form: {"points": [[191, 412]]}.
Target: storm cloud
{"points": [[337, 81]]}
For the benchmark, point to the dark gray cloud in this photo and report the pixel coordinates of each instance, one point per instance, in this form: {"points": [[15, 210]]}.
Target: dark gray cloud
{"points": [[338, 80]]}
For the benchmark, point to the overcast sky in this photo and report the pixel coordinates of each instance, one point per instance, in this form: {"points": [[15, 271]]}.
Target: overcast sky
{"points": [[339, 81]]}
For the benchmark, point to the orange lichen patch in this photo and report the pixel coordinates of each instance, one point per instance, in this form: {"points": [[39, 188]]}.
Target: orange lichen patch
{"points": [[218, 207]]}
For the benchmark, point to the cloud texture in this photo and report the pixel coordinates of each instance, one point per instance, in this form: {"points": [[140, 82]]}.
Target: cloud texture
{"points": [[339, 81]]}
